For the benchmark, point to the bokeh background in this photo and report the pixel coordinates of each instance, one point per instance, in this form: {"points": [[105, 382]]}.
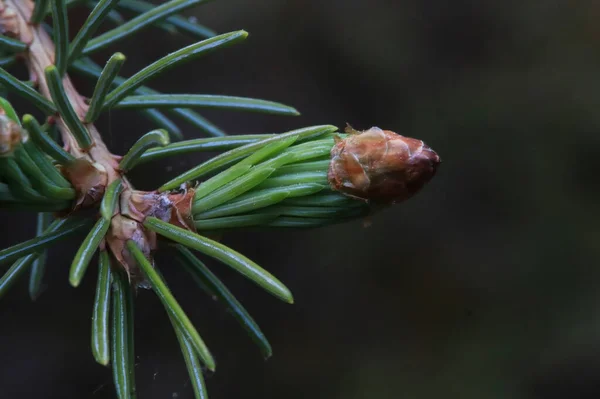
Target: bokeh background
{"points": [[485, 285]]}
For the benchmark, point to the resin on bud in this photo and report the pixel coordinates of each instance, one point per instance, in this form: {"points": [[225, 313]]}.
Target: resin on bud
{"points": [[380, 166], [323, 180], [174, 207], [134, 207]]}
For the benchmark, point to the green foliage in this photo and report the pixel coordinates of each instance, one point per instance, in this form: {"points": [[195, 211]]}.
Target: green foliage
{"points": [[155, 138], [105, 80], [211, 284], [93, 22], [177, 58], [231, 156], [57, 231], [86, 251], [38, 266], [90, 69], [109, 201], [45, 142], [60, 25], [123, 359], [65, 109], [171, 306], [12, 45], [101, 313], [22, 89]]}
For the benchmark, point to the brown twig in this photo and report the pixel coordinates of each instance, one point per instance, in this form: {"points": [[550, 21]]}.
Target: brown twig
{"points": [[96, 167], [39, 56]]}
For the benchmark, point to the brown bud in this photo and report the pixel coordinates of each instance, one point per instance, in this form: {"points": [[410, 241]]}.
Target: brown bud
{"points": [[89, 180], [9, 22], [11, 135], [380, 166], [172, 207], [123, 229]]}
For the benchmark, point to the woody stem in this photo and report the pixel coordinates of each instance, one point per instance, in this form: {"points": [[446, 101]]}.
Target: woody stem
{"points": [[39, 56]]}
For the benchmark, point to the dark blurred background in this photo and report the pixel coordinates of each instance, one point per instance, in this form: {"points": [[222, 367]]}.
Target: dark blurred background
{"points": [[482, 286]]}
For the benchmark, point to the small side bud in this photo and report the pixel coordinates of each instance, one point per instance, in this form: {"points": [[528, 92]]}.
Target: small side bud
{"points": [[381, 166], [89, 179], [174, 207], [11, 135], [123, 229]]}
